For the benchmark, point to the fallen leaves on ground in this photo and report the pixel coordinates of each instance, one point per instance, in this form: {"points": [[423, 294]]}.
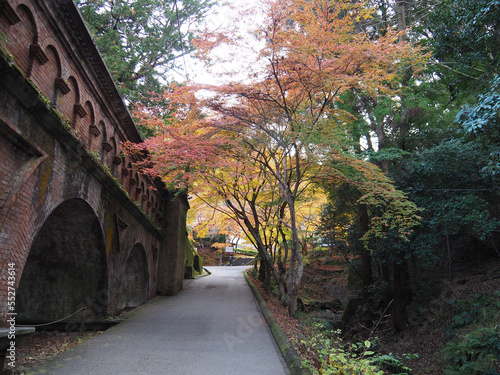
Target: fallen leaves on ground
{"points": [[42, 345]]}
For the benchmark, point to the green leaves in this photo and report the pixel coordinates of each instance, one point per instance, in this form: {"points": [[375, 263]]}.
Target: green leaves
{"points": [[482, 120], [465, 37], [338, 358], [456, 197], [476, 347], [485, 113], [141, 39]]}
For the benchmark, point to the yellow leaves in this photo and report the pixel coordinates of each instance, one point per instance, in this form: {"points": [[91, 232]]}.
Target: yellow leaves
{"points": [[390, 209], [324, 43], [308, 211]]}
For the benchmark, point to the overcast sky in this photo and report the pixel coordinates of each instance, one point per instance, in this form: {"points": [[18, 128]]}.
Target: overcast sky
{"points": [[193, 69]]}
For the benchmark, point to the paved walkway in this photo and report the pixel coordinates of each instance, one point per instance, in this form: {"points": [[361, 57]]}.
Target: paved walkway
{"points": [[213, 326]]}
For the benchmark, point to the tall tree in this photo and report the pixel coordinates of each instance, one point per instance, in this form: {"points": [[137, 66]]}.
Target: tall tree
{"points": [[464, 36], [285, 118], [142, 39]]}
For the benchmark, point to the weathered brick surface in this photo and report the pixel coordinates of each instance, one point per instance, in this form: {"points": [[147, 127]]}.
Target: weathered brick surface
{"points": [[61, 126]]}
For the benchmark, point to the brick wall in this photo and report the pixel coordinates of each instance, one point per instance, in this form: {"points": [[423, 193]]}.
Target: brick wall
{"points": [[75, 90], [62, 124]]}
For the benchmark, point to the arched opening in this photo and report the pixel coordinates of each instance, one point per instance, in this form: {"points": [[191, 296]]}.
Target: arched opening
{"points": [[23, 35], [66, 267], [137, 193], [113, 159], [135, 280], [69, 101], [50, 69]]}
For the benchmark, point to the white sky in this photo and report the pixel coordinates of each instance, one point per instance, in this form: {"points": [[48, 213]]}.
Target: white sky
{"points": [[221, 16]]}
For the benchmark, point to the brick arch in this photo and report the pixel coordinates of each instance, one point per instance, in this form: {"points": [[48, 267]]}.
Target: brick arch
{"points": [[59, 85], [153, 210], [104, 131], [54, 71], [113, 143], [141, 198], [148, 202], [79, 111], [134, 286], [67, 103], [94, 132], [47, 163], [102, 146], [152, 203], [66, 268], [124, 172], [23, 35], [114, 160], [107, 149], [128, 180], [88, 122], [136, 188]]}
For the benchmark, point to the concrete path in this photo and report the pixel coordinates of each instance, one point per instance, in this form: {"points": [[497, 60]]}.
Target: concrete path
{"points": [[213, 326]]}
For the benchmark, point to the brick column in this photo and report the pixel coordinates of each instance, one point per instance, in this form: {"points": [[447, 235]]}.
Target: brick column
{"points": [[171, 262]]}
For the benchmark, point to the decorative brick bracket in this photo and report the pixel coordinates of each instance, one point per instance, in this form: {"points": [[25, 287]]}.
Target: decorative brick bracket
{"points": [[106, 146], [37, 53], [95, 130], [62, 85], [79, 110]]}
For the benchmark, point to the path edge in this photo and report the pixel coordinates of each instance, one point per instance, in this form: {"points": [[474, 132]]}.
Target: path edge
{"points": [[292, 359]]}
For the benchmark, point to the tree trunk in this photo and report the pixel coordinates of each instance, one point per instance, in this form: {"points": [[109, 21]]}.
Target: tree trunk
{"points": [[399, 288], [398, 311], [366, 260], [296, 266], [262, 271], [401, 14], [386, 277]]}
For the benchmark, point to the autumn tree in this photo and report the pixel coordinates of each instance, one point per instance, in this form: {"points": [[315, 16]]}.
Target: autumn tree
{"points": [[285, 118]]}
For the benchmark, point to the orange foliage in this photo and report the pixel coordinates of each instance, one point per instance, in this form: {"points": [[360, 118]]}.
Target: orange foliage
{"points": [[312, 53], [281, 126]]}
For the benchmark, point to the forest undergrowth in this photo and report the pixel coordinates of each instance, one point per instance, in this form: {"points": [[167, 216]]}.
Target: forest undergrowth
{"points": [[452, 325]]}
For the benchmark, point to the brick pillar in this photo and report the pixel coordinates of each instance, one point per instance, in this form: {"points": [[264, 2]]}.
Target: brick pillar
{"points": [[171, 260]]}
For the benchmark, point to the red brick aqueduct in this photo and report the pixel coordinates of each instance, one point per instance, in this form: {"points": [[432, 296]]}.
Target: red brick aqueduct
{"points": [[79, 226]]}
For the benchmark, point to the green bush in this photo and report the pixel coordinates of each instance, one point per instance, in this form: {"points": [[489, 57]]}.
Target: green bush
{"points": [[336, 358], [475, 348], [247, 252], [476, 352], [319, 252], [194, 263]]}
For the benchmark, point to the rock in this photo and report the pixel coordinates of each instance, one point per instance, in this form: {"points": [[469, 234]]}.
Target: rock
{"points": [[351, 308]]}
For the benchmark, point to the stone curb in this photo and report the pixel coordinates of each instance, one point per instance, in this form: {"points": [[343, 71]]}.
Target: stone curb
{"points": [[291, 357]]}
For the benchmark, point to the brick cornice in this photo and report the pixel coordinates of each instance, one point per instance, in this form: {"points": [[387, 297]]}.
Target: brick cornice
{"points": [[83, 44]]}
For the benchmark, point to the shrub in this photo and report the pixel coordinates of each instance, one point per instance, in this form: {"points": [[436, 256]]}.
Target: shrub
{"points": [[475, 349], [247, 252], [319, 252], [336, 358], [476, 352]]}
